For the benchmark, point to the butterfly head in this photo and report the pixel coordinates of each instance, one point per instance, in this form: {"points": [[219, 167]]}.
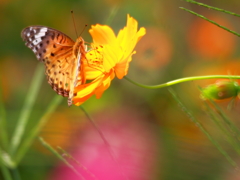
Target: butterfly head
{"points": [[79, 47]]}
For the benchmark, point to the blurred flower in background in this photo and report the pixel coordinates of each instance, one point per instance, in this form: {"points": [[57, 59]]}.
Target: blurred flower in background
{"points": [[133, 151], [154, 51], [210, 41]]}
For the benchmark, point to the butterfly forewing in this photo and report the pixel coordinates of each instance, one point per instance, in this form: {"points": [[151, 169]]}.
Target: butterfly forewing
{"points": [[60, 54], [42, 40]]}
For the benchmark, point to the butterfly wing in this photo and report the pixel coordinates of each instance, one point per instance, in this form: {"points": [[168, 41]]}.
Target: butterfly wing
{"points": [[55, 49]]}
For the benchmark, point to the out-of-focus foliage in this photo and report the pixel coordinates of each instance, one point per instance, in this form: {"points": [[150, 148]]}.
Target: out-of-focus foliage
{"points": [[177, 44]]}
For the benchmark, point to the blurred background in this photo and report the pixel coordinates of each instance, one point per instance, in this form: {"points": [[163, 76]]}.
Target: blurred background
{"points": [[149, 136]]}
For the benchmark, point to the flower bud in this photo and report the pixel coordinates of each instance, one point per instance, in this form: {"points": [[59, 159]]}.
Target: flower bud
{"points": [[221, 90]]}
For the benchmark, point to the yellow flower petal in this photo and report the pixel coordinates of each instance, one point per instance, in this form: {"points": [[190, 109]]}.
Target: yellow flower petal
{"points": [[121, 69], [102, 34], [110, 56], [105, 84], [97, 87], [129, 36], [85, 91]]}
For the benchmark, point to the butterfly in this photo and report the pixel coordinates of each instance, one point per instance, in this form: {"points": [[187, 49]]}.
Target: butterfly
{"points": [[63, 58]]}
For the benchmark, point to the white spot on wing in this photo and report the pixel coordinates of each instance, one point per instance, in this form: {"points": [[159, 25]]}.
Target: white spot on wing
{"points": [[36, 41], [39, 35], [43, 30]]}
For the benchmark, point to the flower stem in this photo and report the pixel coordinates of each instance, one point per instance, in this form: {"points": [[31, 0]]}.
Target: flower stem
{"points": [[16, 174], [112, 14], [6, 159], [200, 126], [222, 126], [3, 123], [5, 172], [50, 148], [104, 140], [95, 126], [211, 7], [181, 80], [35, 130], [213, 22], [26, 110]]}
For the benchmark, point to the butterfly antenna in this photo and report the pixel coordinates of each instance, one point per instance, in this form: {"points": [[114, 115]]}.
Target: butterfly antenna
{"points": [[83, 29], [74, 23]]}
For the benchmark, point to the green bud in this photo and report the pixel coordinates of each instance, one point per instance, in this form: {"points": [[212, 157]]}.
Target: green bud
{"points": [[221, 90]]}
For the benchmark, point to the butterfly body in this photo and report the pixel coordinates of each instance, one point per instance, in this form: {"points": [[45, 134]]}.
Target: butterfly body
{"points": [[61, 55]]}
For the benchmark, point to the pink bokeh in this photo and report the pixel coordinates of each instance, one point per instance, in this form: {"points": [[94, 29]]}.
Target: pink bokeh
{"points": [[132, 152]]}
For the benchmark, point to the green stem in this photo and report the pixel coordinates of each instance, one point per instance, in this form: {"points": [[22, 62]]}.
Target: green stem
{"points": [[104, 140], [198, 124], [6, 159], [26, 110], [113, 13], [5, 172], [223, 128], [34, 131], [177, 81], [95, 126], [211, 7], [16, 174], [213, 22], [3, 124], [233, 128], [46, 145]]}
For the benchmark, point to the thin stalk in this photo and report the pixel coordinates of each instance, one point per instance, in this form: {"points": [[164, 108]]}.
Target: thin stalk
{"points": [[46, 145], [34, 131], [223, 128], [213, 22], [214, 8], [27, 108], [5, 172], [104, 140], [16, 174], [234, 129], [95, 126], [6, 159], [3, 123], [181, 80], [215, 143], [113, 13], [69, 156]]}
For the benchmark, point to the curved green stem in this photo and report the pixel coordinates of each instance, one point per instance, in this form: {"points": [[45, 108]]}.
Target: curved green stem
{"points": [[177, 81]]}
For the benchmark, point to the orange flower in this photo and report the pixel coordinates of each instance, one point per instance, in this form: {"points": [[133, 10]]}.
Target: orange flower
{"points": [[211, 41], [110, 56]]}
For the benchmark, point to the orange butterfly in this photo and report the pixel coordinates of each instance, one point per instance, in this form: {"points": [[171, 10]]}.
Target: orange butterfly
{"points": [[63, 58]]}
